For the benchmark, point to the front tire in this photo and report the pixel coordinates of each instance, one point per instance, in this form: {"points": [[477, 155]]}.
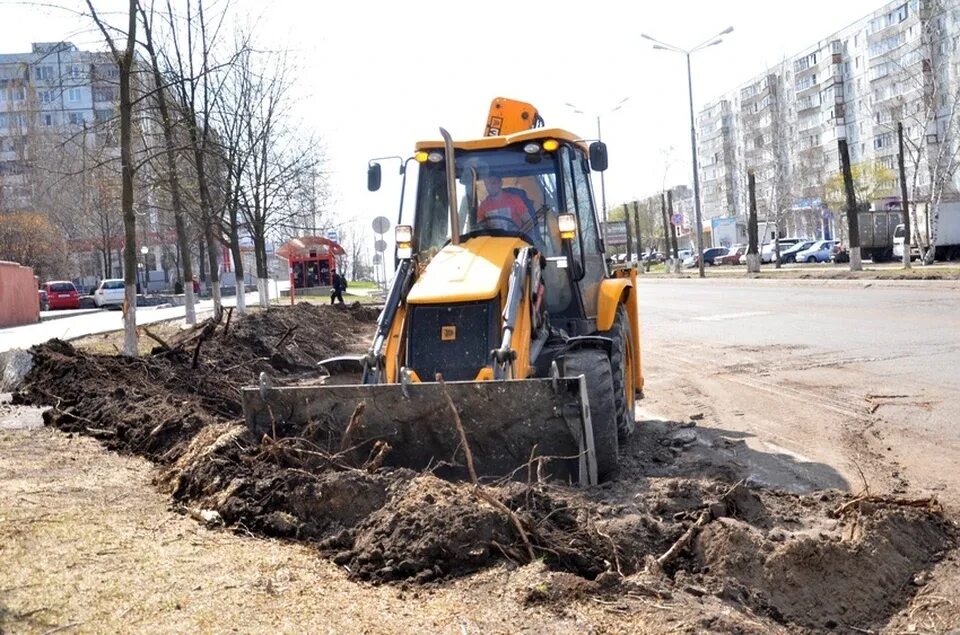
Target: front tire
{"points": [[594, 365], [621, 365]]}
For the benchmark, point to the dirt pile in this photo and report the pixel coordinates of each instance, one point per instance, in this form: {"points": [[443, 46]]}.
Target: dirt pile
{"points": [[680, 520], [155, 405]]}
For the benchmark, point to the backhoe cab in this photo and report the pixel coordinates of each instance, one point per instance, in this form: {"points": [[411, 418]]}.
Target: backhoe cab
{"points": [[502, 289]]}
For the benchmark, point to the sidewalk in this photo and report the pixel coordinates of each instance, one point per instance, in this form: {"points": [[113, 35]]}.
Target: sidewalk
{"points": [[84, 322]]}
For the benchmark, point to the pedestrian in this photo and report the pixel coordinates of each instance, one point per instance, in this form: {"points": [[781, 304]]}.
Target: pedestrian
{"points": [[339, 286], [196, 286]]}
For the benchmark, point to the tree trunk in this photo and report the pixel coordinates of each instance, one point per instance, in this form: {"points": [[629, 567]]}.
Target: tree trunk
{"points": [[666, 231], [238, 269], [212, 247], [853, 223], [904, 202], [263, 279], [753, 255], [201, 259], [672, 233], [126, 197]]}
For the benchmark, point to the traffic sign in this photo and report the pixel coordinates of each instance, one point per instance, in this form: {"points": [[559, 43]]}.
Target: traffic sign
{"points": [[677, 219], [377, 258], [381, 224], [380, 245]]}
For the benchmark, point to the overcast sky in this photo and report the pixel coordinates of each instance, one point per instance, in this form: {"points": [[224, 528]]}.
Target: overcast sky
{"points": [[378, 75]]}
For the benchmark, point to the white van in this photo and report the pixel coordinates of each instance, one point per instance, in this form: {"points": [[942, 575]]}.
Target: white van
{"points": [[898, 235]]}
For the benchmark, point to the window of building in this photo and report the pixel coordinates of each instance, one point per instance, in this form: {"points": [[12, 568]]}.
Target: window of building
{"points": [[17, 93], [76, 118], [74, 95], [10, 167], [883, 141], [103, 115], [43, 73], [46, 119], [103, 94], [47, 96], [75, 71]]}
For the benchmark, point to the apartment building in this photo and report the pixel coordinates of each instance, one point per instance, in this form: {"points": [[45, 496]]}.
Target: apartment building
{"points": [[717, 145], [898, 64], [59, 151], [55, 101]]}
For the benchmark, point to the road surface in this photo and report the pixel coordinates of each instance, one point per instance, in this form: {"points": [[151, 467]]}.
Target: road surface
{"points": [[843, 377]]}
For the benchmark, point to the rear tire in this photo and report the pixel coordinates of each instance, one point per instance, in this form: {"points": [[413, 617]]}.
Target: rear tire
{"points": [[594, 365], [621, 365]]}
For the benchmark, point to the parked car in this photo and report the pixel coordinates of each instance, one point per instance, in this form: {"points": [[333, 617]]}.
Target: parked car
{"points": [[109, 292], [654, 256], [768, 251], [61, 294], [683, 254], [790, 254], [710, 256], [732, 257], [42, 297], [821, 251]]}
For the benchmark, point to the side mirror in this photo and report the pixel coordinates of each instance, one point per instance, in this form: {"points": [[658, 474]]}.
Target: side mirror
{"points": [[373, 177], [598, 156]]}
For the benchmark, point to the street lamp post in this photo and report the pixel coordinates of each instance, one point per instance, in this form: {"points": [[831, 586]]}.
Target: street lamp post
{"points": [[662, 46], [603, 187]]}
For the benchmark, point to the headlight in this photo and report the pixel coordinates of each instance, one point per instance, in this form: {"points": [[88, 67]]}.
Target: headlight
{"points": [[568, 226]]}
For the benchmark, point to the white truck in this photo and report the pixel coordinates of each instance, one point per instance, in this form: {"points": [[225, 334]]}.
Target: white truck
{"points": [[947, 236]]}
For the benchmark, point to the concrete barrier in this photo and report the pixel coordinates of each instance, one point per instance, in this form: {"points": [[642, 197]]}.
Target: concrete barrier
{"points": [[19, 303]]}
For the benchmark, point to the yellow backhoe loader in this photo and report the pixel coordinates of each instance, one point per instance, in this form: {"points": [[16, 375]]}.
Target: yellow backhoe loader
{"points": [[502, 289]]}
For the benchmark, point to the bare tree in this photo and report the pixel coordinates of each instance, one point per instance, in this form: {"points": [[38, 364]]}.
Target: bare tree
{"points": [[196, 91], [124, 62], [168, 127], [275, 157]]}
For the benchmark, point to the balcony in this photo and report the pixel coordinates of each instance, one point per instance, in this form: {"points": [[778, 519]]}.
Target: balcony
{"points": [[805, 84], [808, 102]]}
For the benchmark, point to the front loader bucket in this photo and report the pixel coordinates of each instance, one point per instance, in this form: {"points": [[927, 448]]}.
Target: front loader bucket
{"points": [[505, 423]]}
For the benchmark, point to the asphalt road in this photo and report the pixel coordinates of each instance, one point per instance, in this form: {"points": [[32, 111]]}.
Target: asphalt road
{"points": [[841, 377]]}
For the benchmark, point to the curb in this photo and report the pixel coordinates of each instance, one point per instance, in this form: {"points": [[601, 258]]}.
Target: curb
{"points": [[59, 315]]}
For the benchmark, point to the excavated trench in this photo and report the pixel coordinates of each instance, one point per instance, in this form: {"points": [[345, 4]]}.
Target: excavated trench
{"points": [[682, 515]]}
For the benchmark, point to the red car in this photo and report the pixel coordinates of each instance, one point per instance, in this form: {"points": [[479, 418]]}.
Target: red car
{"points": [[61, 294], [732, 257]]}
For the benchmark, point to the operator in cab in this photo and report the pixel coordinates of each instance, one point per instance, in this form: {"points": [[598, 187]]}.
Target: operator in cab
{"points": [[501, 209]]}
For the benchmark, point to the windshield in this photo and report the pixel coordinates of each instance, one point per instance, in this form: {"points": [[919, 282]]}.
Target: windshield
{"points": [[899, 232], [112, 284], [503, 192]]}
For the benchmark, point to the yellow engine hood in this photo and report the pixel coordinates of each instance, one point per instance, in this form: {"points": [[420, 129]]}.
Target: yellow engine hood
{"points": [[472, 271]]}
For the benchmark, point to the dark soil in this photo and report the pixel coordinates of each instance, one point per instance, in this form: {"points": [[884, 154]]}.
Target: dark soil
{"points": [[804, 561]]}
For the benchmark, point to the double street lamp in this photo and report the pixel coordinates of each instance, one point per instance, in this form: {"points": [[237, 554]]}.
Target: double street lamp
{"points": [[618, 106], [663, 46]]}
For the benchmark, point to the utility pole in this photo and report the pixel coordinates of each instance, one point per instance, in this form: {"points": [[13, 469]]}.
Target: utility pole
{"points": [[904, 203], [853, 224], [753, 256]]}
